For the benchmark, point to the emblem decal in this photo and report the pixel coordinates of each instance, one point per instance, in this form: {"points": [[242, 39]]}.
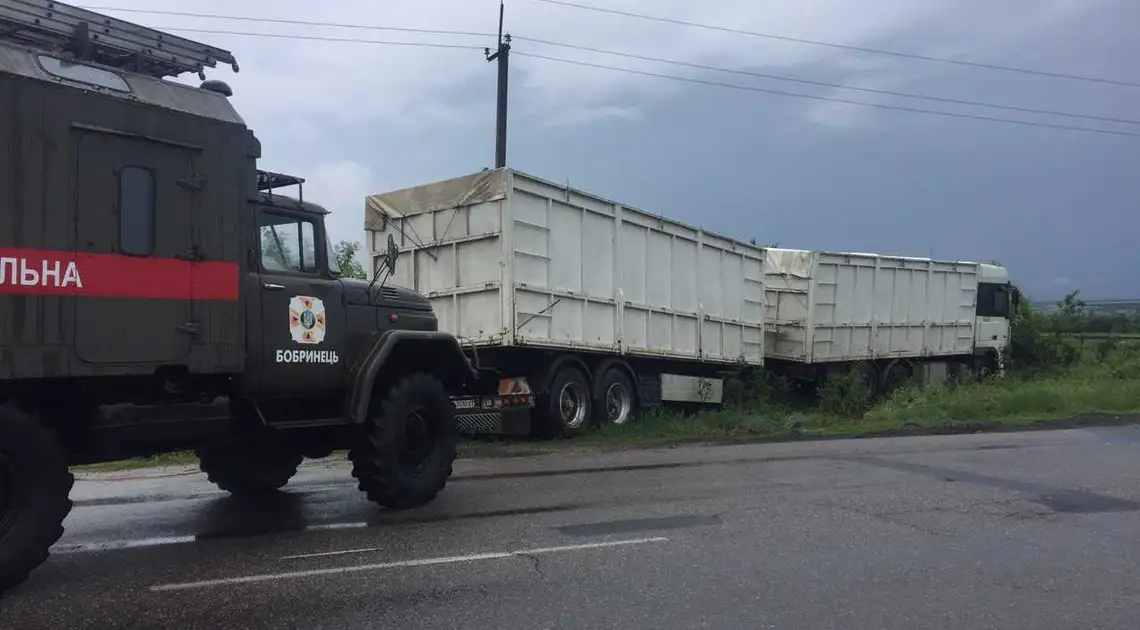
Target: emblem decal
{"points": [[307, 319]]}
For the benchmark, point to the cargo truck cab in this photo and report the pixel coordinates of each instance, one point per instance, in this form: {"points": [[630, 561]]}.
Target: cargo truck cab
{"points": [[996, 303]]}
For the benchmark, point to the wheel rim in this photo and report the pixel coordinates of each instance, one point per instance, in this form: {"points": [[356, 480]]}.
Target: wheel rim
{"points": [[619, 403], [572, 405], [419, 440], [7, 498]]}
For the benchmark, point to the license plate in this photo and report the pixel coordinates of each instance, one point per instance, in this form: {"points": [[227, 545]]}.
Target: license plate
{"points": [[466, 404]]}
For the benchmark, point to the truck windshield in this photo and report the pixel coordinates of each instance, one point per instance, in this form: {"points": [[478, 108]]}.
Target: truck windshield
{"points": [[993, 300]]}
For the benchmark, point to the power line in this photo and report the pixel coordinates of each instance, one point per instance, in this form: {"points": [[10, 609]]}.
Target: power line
{"points": [[750, 88], [319, 38], [876, 51], [839, 86], [692, 80], [240, 18], [761, 75]]}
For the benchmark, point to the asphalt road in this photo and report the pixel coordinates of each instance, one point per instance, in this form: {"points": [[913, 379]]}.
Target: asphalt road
{"points": [[1014, 531]]}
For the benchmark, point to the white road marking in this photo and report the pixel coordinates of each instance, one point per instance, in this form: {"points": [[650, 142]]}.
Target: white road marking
{"points": [[114, 545], [335, 526], [136, 543], [422, 562]]}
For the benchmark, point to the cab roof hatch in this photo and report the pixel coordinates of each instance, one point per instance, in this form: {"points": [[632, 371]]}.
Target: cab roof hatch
{"points": [[55, 27]]}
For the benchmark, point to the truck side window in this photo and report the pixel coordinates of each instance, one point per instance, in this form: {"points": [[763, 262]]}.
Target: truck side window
{"points": [[136, 211], [288, 244], [993, 300]]}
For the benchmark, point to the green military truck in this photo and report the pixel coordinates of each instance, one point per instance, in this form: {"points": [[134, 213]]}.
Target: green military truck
{"points": [[157, 292]]}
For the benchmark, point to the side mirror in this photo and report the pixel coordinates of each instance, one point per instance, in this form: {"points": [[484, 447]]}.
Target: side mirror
{"points": [[1016, 297], [391, 255]]}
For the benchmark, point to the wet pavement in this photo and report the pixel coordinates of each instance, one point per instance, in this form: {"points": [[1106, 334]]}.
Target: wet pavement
{"points": [[1023, 530]]}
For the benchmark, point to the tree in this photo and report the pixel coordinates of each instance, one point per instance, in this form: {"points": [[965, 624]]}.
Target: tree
{"points": [[1072, 313], [345, 253]]}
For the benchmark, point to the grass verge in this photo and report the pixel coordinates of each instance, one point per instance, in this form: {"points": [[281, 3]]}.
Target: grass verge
{"points": [[180, 458], [1088, 396]]}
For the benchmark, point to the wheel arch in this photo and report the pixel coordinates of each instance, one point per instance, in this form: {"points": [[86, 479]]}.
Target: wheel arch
{"points": [[394, 353], [562, 361]]}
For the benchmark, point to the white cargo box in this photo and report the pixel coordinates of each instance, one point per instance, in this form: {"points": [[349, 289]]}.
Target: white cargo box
{"points": [[827, 306], [508, 259]]}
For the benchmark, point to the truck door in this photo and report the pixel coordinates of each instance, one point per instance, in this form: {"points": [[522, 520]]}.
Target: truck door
{"points": [[302, 313], [134, 210]]}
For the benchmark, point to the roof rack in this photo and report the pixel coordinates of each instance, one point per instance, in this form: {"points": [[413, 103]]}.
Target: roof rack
{"points": [[89, 36], [267, 180]]}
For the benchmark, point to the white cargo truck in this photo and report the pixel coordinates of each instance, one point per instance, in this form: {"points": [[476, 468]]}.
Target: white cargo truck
{"points": [[896, 318], [600, 307]]}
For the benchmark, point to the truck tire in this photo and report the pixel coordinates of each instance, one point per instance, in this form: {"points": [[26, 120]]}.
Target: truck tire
{"points": [[897, 375], [567, 407], [34, 486], [614, 397], [406, 452], [249, 467]]}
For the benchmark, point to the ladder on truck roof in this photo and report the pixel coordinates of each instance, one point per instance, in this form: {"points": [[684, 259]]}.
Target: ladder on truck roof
{"points": [[57, 27]]}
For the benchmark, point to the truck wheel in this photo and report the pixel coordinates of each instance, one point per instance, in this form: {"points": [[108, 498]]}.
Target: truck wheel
{"points": [[405, 456], [614, 397], [249, 467], [34, 486], [898, 375], [567, 408]]}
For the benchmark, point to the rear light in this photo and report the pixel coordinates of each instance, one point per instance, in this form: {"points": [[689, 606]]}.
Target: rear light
{"points": [[516, 400]]}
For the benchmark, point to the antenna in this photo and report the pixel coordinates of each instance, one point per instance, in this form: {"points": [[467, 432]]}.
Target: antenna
{"points": [[56, 27], [502, 56]]}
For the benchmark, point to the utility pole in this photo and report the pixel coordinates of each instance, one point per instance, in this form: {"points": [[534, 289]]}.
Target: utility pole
{"points": [[502, 56]]}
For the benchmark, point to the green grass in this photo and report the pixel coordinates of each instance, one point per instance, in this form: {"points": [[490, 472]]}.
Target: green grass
{"points": [[180, 458], [1012, 399], [1113, 387]]}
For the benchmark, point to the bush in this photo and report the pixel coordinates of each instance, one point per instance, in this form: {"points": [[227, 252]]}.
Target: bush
{"points": [[846, 394], [1123, 361], [757, 389], [1034, 348]]}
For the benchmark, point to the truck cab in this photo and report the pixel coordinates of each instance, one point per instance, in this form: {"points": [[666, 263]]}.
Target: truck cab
{"points": [[305, 320], [996, 303]]}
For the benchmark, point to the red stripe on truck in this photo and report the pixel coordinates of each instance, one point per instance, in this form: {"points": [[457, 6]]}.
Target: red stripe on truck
{"points": [[42, 272]]}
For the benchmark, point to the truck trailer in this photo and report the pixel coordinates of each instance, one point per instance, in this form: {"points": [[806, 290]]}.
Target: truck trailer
{"points": [[159, 293], [594, 307], [896, 319]]}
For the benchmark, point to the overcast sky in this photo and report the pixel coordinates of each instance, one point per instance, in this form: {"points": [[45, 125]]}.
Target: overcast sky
{"points": [[1058, 208]]}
